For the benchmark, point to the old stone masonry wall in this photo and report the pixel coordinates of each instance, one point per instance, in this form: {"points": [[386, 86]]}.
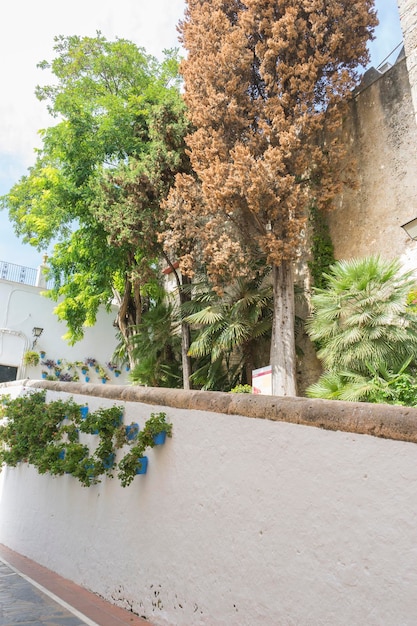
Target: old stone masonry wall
{"points": [[408, 18], [381, 132]]}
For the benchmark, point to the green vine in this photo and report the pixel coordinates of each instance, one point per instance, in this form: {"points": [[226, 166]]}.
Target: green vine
{"points": [[130, 463], [47, 436], [321, 249]]}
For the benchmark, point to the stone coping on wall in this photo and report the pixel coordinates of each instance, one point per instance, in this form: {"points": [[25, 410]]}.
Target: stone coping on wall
{"points": [[379, 420]]}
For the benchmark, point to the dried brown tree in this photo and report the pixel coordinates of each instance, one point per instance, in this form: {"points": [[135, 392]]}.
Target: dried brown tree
{"points": [[264, 84]]}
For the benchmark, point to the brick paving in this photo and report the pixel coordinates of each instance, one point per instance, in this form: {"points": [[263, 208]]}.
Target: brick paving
{"points": [[32, 595]]}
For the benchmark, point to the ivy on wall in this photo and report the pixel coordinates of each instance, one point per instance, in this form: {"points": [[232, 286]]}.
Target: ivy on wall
{"points": [[47, 436], [322, 250]]}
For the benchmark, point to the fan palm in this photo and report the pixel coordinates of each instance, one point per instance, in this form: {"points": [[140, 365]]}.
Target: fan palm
{"points": [[156, 346], [229, 330], [380, 385], [362, 316]]}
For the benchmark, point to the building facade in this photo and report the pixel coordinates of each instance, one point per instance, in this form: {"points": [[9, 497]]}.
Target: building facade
{"points": [[26, 313]]}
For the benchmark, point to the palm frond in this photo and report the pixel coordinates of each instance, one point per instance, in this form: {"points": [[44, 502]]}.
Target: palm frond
{"points": [[209, 315]]}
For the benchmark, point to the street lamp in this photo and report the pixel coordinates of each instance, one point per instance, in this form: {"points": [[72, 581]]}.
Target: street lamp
{"points": [[411, 228], [37, 332]]}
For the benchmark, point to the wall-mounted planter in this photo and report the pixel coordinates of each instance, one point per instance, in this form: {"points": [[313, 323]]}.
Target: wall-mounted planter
{"points": [[109, 461], [160, 438], [42, 354], [104, 380], [132, 431], [87, 379], [84, 370], [44, 375], [127, 368], [142, 466], [118, 421], [84, 411]]}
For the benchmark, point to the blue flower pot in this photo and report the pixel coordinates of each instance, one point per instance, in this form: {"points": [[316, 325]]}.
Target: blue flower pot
{"points": [[142, 465], [160, 438], [84, 411], [109, 461], [87, 379], [43, 374], [118, 421], [132, 431]]}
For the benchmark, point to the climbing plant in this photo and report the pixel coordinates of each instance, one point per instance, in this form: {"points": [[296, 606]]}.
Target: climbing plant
{"points": [[47, 436], [322, 250]]}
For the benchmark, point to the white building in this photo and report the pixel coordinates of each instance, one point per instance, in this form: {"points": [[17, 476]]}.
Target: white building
{"points": [[25, 312]]}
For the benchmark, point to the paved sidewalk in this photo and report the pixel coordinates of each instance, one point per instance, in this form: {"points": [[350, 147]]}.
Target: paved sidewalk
{"points": [[32, 595]]}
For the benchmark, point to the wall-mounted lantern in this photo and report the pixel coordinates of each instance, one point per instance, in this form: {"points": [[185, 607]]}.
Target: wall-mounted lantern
{"points": [[37, 332], [411, 228]]}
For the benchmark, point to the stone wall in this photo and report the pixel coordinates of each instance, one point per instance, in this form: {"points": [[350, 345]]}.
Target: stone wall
{"points": [[381, 131], [408, 19]]}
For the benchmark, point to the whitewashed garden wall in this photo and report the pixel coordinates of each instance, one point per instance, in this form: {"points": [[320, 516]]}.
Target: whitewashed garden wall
{"points": [[239, 520]]}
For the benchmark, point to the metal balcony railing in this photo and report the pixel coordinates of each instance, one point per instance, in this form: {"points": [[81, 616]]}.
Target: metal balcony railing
{"points": [[18, 273]]}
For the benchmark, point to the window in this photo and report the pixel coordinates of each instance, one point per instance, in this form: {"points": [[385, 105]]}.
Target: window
{"points": [[7, 373]]}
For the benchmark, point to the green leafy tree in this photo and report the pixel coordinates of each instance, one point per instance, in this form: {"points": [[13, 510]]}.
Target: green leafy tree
{"points": [[98, 180], [264, 85]]}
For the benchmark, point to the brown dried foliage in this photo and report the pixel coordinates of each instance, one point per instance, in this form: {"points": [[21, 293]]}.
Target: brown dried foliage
{"points": [[265, 83]]}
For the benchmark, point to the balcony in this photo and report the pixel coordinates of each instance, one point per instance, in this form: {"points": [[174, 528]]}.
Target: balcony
{"points": [[24, 275], [18, 273]]}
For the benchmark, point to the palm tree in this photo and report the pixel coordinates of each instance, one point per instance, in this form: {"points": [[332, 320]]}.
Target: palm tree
{"points": [[380, 385], [157, 347], [362, 319], [230, 329]]}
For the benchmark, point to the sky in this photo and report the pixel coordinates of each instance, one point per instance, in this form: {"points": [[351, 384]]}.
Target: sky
{"points": [[27, 31]]}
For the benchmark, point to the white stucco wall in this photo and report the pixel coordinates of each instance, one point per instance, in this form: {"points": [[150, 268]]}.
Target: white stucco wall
{"points": [[22, 307], [238, 522]]}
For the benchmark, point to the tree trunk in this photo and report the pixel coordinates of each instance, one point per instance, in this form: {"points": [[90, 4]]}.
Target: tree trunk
{"points": [[185, 328], [185, 341], [129, 315], [283, 359], [249, 356], [186, 361]]}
